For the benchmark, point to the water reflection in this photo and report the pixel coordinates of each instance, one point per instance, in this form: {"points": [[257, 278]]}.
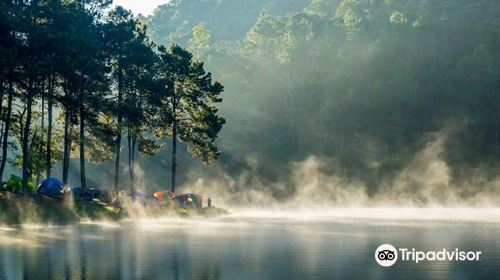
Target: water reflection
{"points": [[240, 248]]}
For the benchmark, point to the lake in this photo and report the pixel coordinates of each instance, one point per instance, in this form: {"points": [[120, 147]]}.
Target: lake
{"points": [[249, 244]]}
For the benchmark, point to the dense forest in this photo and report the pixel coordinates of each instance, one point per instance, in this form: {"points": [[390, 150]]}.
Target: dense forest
{"points": [[362, 85], [76, 77], [173, 22]]}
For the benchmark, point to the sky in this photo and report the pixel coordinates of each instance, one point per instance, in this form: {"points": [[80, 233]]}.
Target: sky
{"points": [[144, 7]]}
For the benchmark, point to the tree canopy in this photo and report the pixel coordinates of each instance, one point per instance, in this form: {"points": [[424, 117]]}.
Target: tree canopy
{"points": [[74, 72], [362, 84]]}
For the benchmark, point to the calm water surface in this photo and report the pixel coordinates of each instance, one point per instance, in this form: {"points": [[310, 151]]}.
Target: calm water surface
{"points": [[244, 247]]}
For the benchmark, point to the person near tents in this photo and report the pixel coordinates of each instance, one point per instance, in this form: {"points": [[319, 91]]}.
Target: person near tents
{"points": [[209, 202]]}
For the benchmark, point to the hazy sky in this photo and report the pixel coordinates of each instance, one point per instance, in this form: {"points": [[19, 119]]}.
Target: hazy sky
{"points": [[144, 7]]}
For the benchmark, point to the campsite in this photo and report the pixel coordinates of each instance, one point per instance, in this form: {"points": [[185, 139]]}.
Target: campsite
{"points": [[51, 202], [104, 101]]}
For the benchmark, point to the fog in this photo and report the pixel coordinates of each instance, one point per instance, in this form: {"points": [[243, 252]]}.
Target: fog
{"points": [[341, 103]]}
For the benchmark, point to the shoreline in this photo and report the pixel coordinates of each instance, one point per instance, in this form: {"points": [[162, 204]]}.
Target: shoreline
{"points": [[16, 209]]}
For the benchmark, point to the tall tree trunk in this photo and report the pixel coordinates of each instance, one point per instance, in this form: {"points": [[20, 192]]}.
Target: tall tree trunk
{"points": [[132, 141], [39, 146], [5, 143], [26, 133], [174, 143], [67, 146], [134, 144], [49, 126], [117, 154], [83, 179], [2, 89], [119, 126], [130, 172], [29, 103], [42, 119], [174, 157]]}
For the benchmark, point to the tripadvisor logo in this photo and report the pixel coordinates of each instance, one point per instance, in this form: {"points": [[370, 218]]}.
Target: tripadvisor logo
{"points": [[387, 255]]}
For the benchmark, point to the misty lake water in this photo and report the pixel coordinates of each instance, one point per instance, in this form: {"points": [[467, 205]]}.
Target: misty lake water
{"points": [[246, 246]]}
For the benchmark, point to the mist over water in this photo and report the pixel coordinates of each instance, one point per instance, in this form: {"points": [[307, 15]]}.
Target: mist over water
{"points": [[427, 181], [377, 214]]}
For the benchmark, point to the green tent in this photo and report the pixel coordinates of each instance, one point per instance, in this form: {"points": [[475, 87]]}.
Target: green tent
{"points": [[15, 184]]}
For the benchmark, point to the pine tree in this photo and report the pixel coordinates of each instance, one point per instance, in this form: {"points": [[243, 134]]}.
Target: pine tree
{"points": [[189, 107]]}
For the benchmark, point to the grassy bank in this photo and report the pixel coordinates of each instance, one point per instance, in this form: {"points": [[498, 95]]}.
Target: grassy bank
{"points": [[18, 209]]}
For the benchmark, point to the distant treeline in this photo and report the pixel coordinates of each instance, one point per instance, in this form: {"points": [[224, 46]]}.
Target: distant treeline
{"points": [[75, 79], [360, 83]]}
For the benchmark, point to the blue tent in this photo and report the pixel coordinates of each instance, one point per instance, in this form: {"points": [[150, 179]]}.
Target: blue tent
{"points": [[51, 187]]}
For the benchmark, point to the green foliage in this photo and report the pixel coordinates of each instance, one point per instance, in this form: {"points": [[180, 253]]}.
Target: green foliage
{"points": [[227, 20], [200, 42], [361, 82], [100, 78], [190, 104]]}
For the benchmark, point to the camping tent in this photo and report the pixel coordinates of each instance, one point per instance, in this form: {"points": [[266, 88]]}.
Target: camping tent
{"points": [[164, 195], [86, 194], [15, 184], [190, 200], [51, 187], [139, 197]]}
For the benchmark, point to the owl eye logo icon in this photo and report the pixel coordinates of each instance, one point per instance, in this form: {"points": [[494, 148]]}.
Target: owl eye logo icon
{"points": [[386, 255]]}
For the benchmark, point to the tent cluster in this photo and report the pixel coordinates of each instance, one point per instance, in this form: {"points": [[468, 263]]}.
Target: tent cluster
{"points": [[49, 187], [187, 200], [53, 188]]}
